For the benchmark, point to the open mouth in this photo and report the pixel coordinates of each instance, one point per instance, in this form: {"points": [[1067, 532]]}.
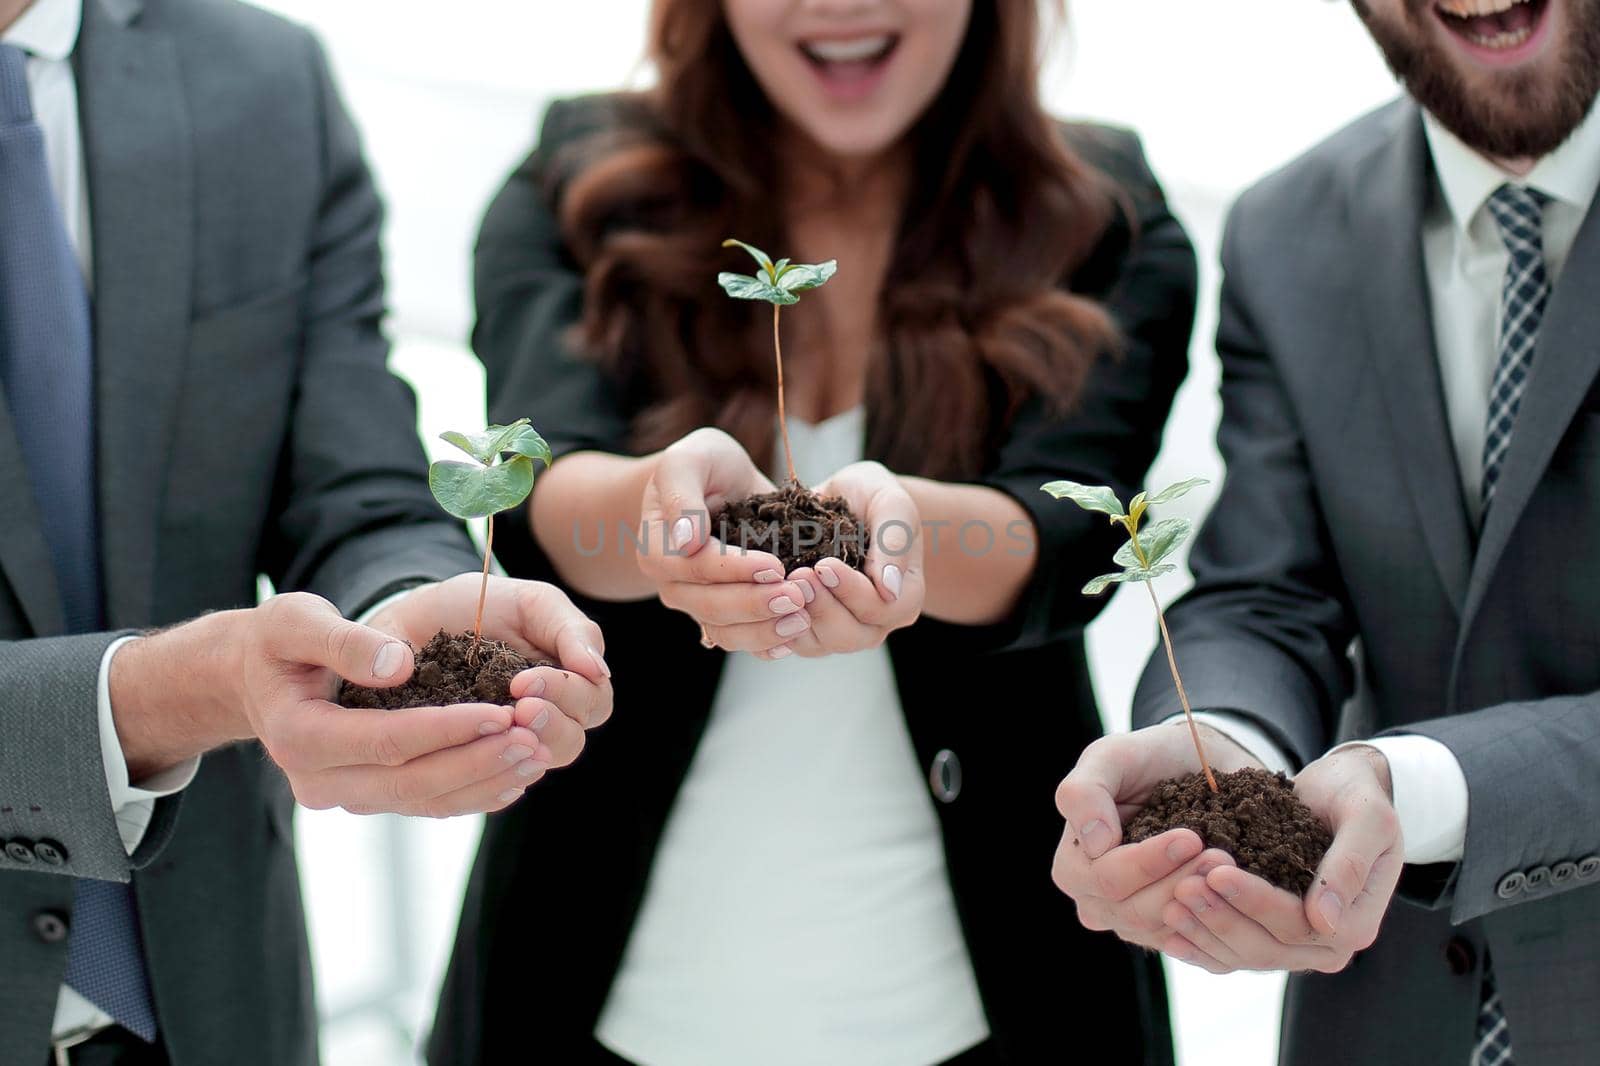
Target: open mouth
{"points": [[854, 59], [1496, 26]]}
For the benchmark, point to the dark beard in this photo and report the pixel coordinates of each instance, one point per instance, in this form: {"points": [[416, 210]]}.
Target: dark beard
{"points": [[1527, 115]]}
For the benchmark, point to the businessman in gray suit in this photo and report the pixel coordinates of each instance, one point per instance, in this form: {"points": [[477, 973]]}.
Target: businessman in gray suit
{"points": [[1403, 555], [195, 393]]}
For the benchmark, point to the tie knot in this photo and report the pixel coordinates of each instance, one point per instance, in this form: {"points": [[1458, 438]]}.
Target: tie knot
{"points": [[15, 105], [1519, 213]]}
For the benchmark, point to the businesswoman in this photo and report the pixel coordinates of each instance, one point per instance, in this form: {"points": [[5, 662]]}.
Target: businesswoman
{"points": [[819, 828]]}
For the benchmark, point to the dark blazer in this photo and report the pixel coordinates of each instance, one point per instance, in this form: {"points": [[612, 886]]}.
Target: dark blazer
{"points": [[1342, 519], [584, 844], [246, 425]]}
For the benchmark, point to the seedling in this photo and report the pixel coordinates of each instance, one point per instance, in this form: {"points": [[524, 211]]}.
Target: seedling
{"points": [[779, 285], [1143, 559], [488, 485]]}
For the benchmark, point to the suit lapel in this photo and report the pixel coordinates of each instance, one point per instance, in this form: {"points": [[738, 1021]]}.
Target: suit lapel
{"points": [[1565, 363], [24, 555], [1391, 190], [139, 155]]}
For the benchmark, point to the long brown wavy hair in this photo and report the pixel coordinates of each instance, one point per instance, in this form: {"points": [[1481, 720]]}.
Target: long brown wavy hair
{"points": [[976, 318]]}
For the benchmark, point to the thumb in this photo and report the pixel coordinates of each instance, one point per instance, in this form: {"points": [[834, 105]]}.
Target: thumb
{"points": [[681, 480], [1087, 799], [309, 631]]}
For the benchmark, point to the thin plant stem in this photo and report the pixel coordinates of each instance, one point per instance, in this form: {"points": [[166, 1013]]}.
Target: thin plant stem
{"points": [[1183, 697], [483, 592], [783, 419]]}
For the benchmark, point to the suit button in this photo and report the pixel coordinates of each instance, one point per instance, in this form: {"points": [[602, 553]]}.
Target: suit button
{"points": [[944, 777], [1563, 872], [1460, 956], [50, 927], [1538, 877], [1588, 868], [50, 853], [1512, 885], [19, 852]]}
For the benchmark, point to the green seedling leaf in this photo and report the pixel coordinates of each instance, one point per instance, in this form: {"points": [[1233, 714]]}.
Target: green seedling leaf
{"points": [[763, 260], [1136, 509], [1103, 582], [488, 445], [745, 287], [469, 490], [802, 277], [1157, 542], [523, 439], [1090, 497], [1173, 492]]}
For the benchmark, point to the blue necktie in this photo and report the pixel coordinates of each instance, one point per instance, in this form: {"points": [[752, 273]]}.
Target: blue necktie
{"points": [[46, 368]]}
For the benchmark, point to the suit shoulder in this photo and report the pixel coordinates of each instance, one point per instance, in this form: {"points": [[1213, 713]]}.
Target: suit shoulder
{"points": [[1318, 181], [1115, 151], [229, 36]]}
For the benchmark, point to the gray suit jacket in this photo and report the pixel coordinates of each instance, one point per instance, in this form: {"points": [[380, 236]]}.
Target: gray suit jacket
{"points": [[247, 424], [1342, 521]]}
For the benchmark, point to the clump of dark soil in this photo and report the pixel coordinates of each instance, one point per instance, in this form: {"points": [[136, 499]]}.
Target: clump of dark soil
{"points": [[449, 671], [795, 524], [1254, 816]]}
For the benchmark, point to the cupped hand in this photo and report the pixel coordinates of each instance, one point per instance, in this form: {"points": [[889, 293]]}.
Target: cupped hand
{"points": [[741, 599], [1230, 920], [1125, 888], [854, 610]]}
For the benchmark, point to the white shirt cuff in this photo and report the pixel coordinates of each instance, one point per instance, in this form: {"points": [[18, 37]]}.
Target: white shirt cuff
{"points": [[133, 805], [1430, 796], [1249, 736]]}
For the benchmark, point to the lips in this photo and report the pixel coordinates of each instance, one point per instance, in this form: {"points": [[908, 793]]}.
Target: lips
{"points": [[849, 69], [1494, 25]]}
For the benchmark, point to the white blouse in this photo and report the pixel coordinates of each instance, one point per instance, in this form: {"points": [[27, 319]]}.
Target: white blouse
{"points": [[799, 911]]}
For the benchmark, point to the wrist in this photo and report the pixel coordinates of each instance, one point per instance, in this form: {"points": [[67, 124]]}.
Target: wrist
{"points": [[1380, 766], [172, 693]]}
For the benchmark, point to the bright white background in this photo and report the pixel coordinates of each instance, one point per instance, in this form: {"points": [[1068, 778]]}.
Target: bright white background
{"points": [[448, 96]]}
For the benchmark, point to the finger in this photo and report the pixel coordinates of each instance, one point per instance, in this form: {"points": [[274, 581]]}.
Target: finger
{"points": [[1282, 915], [894, 552], [1181, 949], [1366, 828], [1088, 797], [412, 786], [307, 630], [1131, 868], [312, 734], [1239, 941], [563, 738], [579, 699], [865, 599], [1359, 927], [1142, 911], [759, 636], [734, 604], [690, 477], [552, 621], [495, 794], [772, 655], [834, 629]]}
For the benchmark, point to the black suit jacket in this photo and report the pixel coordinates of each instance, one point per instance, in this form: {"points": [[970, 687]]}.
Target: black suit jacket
{"points": [[246, 425], [584, 843], [1342, 520]]}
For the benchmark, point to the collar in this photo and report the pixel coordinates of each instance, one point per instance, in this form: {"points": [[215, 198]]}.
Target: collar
{"points": [[48, 29], [1570, 174]]}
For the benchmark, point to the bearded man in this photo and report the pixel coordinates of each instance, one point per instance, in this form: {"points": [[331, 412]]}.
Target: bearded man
{"points": [[1402, 557]]}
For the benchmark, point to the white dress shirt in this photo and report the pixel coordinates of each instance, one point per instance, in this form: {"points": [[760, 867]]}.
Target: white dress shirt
{"points": [[1466, 261], [799, 909], [48, 32]]}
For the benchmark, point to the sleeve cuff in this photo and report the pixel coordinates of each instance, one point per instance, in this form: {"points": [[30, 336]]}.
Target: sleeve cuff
{"points": [[132, 805], [1430, 796], [1249, 736]]}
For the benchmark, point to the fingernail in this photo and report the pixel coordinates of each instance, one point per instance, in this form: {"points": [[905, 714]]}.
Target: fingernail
{"points": [[489, 729], [516, 753], [535, 688], [530, 767], [891, 580], [782, 651], [387, 662], [509, 795], [783, 605], [1206, 866], [1198, 906], [1331, 907], [793, 626], [1178, 850], [599, 663], [682, 532], [541, 720], [829, 578], [768, 577], [1229, 890], [806, 589], [1096, 837]]}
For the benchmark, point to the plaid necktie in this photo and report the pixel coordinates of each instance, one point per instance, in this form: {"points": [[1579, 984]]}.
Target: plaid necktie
{"points": [[1493, 1044], [1524, 294], [47, 373]]}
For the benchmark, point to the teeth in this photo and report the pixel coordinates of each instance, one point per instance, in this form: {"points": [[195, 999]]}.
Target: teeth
{"points": [[848, 51], [1501, 40], [1465, 9]]}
